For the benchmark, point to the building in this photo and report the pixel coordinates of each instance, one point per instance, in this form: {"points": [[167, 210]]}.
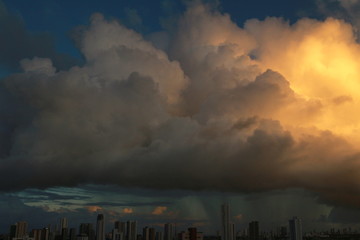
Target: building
{"points": [[148, 233], [45, 234], [159, 236], [36, 234], [117, 235], [191, 234], [82, 237], [131, 230], [100, 227], [228, 228], [295, 229], [64, 234], [12, 232], [87, 230], [120, 226], [72, 234], [63, 223], [254, 233], [21, 229], [169, 231]]}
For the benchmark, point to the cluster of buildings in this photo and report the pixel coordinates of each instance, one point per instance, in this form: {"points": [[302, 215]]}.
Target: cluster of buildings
{"points": [[253, 233], [121, 231], [129, 231]]}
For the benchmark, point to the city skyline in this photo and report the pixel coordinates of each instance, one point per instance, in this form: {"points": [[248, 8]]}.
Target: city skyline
{"points": [[162, 111], [127, 230]]}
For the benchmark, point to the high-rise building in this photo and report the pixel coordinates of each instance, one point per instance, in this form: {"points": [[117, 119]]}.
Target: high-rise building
{"points": [[228, 231], [100, 227], [12, 232], [191, 234], [119, 231], [21, 229], [254, 233], [121, 226], [295, 229], [283, 231], [45, 234], [72, 234], [117, 235], [169, 231], [131, 230], [64, 234], [146, 233], [232, 231], [63, 223], [86, 229], [159, 236], [36, 234]]}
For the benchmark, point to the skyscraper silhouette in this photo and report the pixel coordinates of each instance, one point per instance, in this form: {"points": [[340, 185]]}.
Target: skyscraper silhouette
{"points": [[21, 229], [131, 230], [254, 230], [295, 229], [63, 223], [228, 230], [100, 227], [169, 231]]}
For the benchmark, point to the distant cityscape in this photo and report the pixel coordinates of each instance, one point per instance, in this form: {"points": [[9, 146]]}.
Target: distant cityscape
{"points": [[128, 230]]}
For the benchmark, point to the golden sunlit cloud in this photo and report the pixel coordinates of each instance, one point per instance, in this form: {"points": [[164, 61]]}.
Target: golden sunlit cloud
{"points": [[127, 210], [159, 210], [93, 208], [321, 62]]}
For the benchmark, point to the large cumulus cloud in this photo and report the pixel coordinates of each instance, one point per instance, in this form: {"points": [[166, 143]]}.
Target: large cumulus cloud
{"points": [[224, 109]]}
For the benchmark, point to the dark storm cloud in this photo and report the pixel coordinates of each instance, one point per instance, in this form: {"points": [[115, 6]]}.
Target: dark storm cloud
{"points": [[17, 42], [211, 118]]}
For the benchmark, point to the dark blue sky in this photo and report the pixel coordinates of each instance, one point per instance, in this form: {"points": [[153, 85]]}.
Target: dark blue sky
{"points": [[59, 17]]}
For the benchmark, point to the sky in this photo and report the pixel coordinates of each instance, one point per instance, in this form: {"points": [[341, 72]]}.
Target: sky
{"points": [[161, 111]]}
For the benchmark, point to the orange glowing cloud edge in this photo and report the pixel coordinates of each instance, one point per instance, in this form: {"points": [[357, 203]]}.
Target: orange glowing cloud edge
{"points": [[321, 62]]}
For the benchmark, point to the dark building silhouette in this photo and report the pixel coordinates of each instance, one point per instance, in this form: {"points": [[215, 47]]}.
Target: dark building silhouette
{"points": [[169, 231], [254, 230], [295, 229], [100, 227], [72, 234], [86, 229], [131, 230], [12, 232]]}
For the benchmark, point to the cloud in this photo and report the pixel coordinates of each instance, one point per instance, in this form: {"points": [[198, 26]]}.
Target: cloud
{"points": [[234, 109], [127, 210], [38, 65], [159, 210], [93, 208]]}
